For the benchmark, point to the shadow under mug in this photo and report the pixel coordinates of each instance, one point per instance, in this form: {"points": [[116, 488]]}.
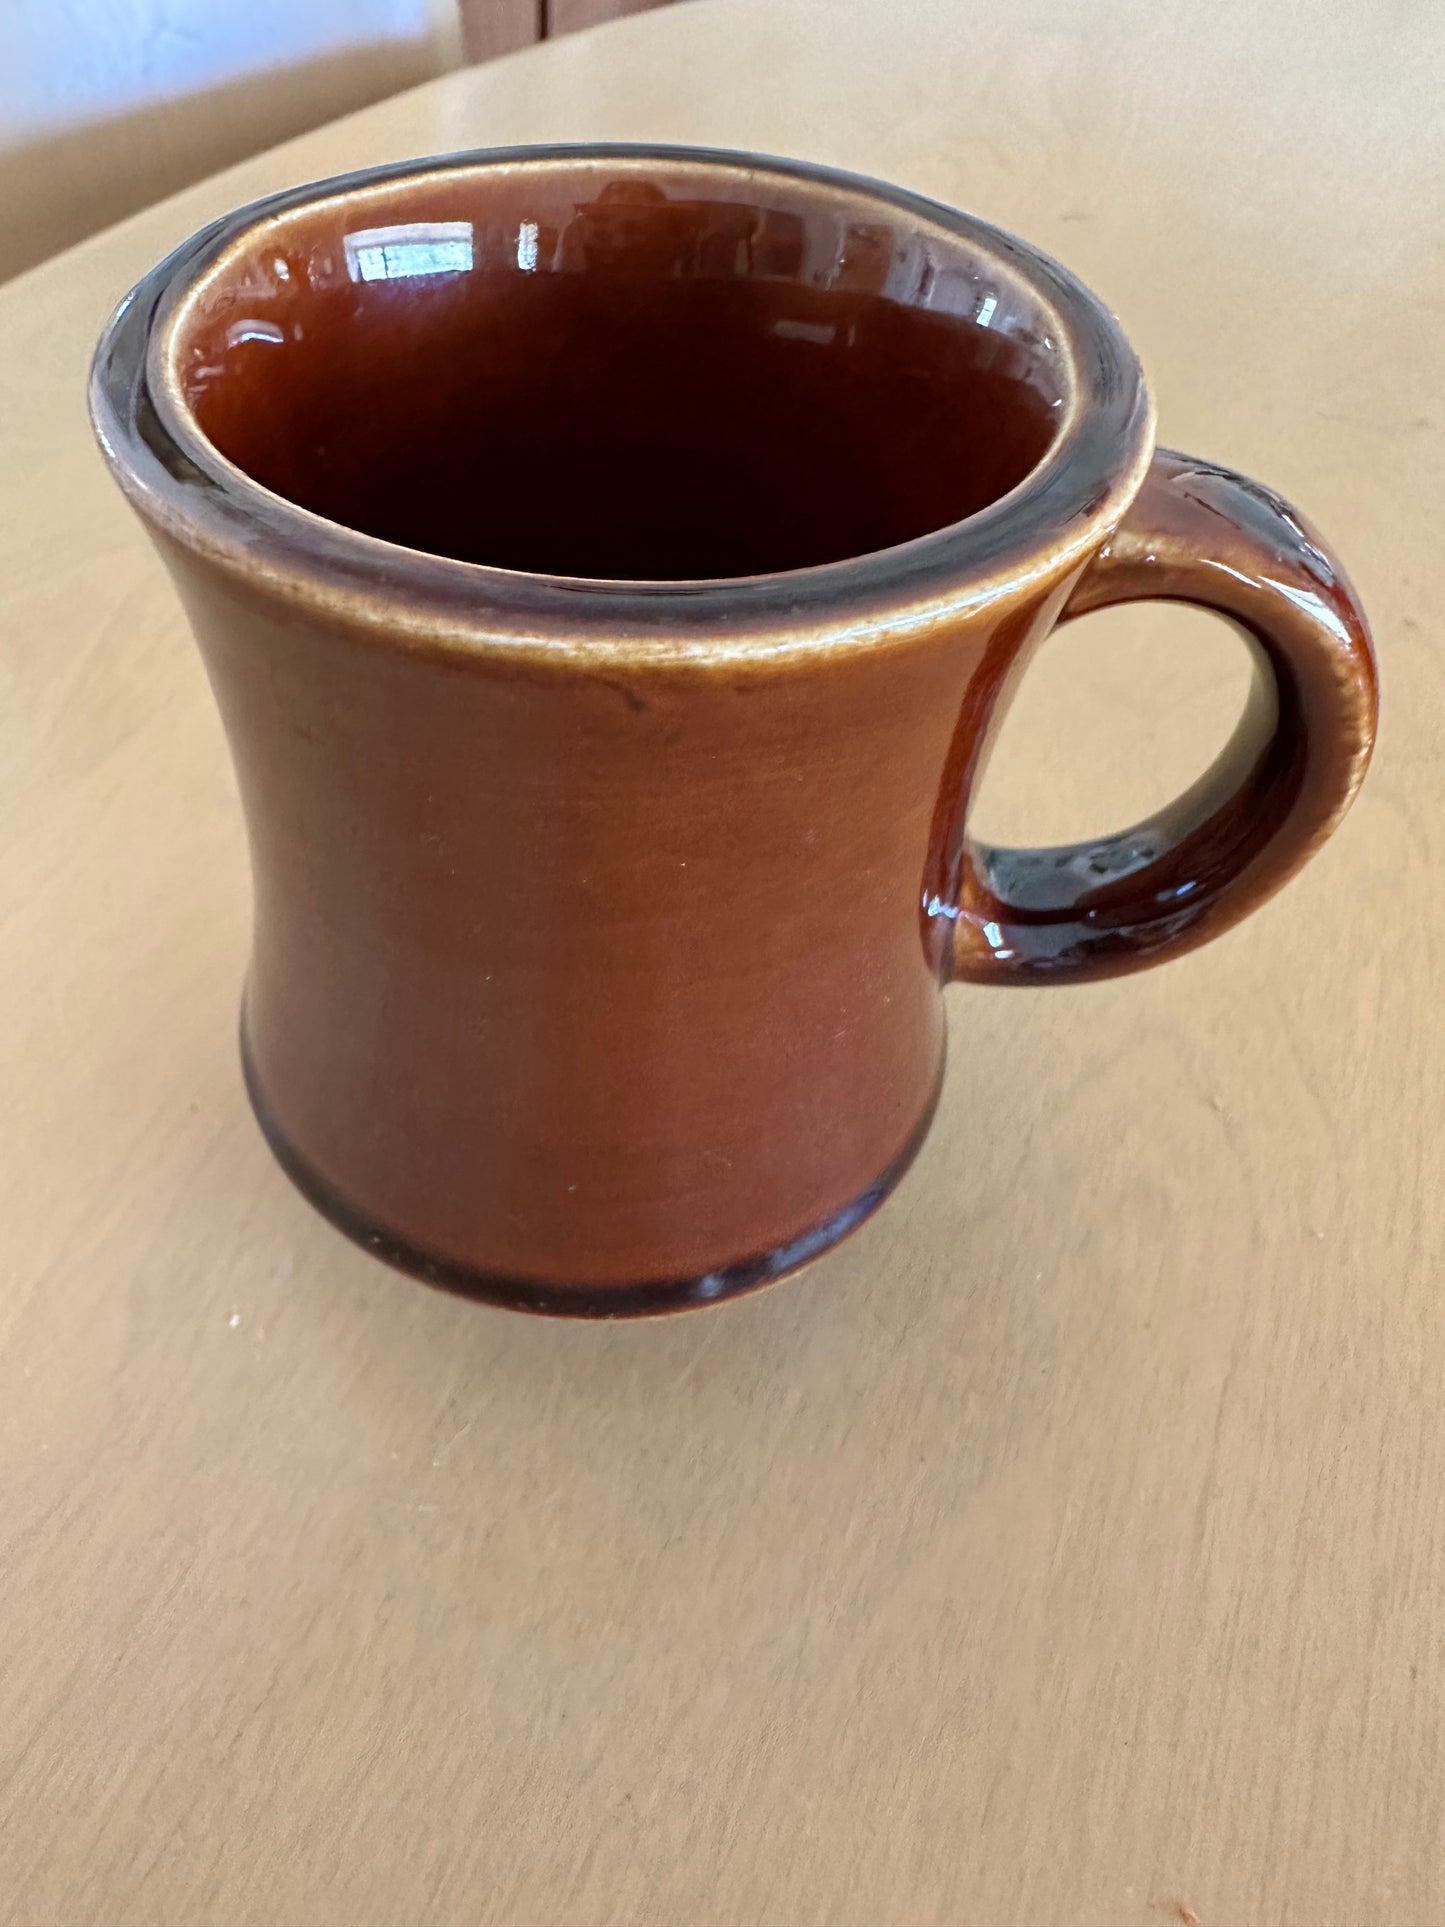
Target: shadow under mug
{"points": [[611, 564]]}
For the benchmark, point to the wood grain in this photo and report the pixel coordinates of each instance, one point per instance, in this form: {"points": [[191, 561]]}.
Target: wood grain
{"points": [[1068, 1547]]}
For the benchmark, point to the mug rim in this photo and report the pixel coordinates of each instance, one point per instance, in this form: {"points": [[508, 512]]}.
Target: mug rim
{"points": [[1036, 533]]}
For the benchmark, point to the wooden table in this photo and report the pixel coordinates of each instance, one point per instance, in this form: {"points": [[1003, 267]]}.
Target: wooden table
{"points": [[1069, 1546]]}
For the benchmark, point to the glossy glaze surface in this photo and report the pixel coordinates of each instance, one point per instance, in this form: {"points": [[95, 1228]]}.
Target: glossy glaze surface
{"points": [[620, 382], [225, 305], [548, 977], [1198, 533], [601, 914]]}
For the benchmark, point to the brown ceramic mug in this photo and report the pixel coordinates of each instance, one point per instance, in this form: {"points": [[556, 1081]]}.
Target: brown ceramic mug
{"points": [[612, 564]]}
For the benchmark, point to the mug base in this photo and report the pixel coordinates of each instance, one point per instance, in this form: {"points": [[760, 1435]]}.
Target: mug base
{"points": [[649, 1298]]}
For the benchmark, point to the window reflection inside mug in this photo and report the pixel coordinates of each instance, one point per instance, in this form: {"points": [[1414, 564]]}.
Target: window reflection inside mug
{"points": [[643, 382], [415, 247]]}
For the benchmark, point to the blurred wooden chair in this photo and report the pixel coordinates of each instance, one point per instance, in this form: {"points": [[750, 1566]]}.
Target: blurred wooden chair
{"points": [[496, 26], [491, 27]]}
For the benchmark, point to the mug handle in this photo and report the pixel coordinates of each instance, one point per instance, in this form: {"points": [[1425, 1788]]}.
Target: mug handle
{"points": [[1205, 535]]}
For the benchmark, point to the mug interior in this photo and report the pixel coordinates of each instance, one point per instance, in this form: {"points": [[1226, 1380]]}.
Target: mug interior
{"points": [[629, 368]]}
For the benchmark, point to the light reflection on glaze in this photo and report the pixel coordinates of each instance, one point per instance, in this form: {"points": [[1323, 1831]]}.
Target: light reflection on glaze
{"points": [[599, 922], [1202, 534]]}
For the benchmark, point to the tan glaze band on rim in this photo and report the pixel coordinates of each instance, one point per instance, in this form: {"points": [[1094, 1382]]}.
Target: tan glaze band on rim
{"points": [[1034, 535]]}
